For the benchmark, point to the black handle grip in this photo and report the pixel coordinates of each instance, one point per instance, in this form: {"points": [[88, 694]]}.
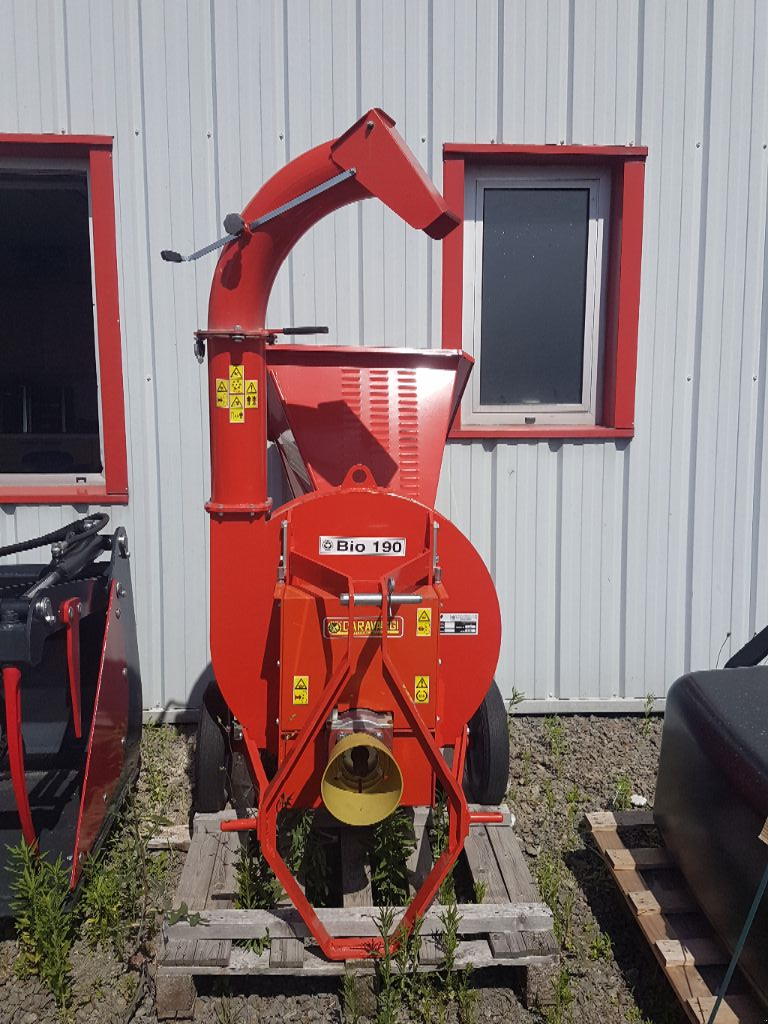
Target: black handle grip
{"points": [[171, 257], [305, 330]]}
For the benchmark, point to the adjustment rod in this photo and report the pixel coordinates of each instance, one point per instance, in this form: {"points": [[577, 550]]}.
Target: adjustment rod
{"points": [[234, 224]]}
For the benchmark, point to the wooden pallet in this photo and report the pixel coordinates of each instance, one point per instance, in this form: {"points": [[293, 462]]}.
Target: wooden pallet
{"points": [[684, 943], [513, 927]]}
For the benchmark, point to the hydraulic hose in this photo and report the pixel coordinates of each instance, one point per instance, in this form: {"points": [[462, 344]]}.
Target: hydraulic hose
{"points": [[76, 532]]}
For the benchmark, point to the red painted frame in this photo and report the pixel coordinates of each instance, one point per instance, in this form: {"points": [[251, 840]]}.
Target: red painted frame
{"points": [[627, 167], [97, 150]]}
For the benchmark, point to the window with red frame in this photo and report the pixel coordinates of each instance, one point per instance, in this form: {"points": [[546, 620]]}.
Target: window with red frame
{"points": [[62, 434], [541, 285]]}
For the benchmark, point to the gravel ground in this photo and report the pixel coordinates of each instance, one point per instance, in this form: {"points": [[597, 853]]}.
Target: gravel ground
{"points": [[559, 768]]}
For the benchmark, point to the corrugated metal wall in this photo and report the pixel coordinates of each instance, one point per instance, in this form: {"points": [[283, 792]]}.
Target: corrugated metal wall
{"points": [[618, 564]]}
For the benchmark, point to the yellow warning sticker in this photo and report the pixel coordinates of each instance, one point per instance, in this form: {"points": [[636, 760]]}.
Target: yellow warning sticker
{"points": [[424, 623], [235, 380], [301, 689], [236, 409], [421, 690], [222, 393], [251, 394]]}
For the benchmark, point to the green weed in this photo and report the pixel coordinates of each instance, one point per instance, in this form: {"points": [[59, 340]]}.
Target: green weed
{"points": [[455, 985], [646, 726], [527, 766], [549, 796], [388, 1001], [227, 1011], [256, 887], [600, 946], [560, 1010], [556, 887], [393, 842], [44, 927], [517, 698], [308, 861], [479, 890], [123, 887], [622, 794], [438, 839], [350, 999], [558, 743]]}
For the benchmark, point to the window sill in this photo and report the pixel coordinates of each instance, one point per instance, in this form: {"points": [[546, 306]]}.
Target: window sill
{"points": [[542, 433], [86, 495]]}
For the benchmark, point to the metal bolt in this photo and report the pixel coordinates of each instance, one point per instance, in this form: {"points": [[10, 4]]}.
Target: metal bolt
{"points": [[44, 610], [117, 613], [122, 741], [278, 663], [70, 613], [120, 589], [125, 673], [104, 797], [80, 855]]}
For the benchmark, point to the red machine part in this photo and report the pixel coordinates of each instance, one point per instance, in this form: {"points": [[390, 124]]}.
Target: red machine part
{"points": [[69, 613], [276, 586], [389, 409], [12, 689]]}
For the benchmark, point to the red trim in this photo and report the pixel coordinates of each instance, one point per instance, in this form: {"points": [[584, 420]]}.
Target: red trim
{"points": [[492, 151], [64, 495], [97, 149], [561, 430], [627, 166]]}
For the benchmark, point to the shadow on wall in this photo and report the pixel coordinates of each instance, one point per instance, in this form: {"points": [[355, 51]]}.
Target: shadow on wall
{"points": [[279, 492]]}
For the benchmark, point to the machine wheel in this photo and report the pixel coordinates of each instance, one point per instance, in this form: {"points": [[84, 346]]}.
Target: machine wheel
{"points": [[487, 767], [211, 754]]}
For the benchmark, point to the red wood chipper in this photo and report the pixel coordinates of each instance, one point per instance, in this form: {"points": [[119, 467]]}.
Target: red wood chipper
{"points": [[354, 631], [71, 710]]}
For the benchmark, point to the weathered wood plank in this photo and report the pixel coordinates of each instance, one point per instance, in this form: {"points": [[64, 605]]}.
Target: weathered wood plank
{"points": [[484, 867], [431, 952], [601, 820], [222, 877], [419, 862], [285, 953], [733, 1010], [664, 901], [355, 852], [192, 889], [470, 952], [512, 864], [701, 952], [175, 995], [171, 837], [285, 922], [640, 859]]}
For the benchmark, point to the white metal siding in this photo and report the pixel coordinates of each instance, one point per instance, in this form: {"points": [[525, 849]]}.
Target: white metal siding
{"points": [[618, 565]]}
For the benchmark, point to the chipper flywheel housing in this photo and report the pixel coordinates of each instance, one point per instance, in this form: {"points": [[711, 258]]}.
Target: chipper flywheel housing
{"points": [[354, 631]]}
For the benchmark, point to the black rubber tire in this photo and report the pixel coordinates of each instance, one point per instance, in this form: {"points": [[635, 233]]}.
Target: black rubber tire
{"points": [[487, 766], [211, 754]]}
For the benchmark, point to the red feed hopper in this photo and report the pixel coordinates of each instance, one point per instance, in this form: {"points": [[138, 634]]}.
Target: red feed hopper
{"points": [[387, 408]]}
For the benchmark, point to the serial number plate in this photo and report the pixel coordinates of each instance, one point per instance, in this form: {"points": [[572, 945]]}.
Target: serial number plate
{"points": [[362, 546]]}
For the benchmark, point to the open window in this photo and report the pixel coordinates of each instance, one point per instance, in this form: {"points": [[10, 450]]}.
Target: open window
{"points": [[541, 286], [62, 431]]}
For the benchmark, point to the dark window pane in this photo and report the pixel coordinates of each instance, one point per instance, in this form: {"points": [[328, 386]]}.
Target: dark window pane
{"points": [[533, 295], [49, 416]]}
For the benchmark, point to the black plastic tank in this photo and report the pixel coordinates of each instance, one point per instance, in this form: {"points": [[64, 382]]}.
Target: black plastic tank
{"points": [[712, 800]]}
